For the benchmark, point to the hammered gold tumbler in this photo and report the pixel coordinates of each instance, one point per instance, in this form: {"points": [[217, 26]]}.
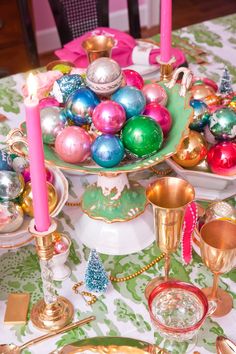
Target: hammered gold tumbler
{"points": [[98, 47]]}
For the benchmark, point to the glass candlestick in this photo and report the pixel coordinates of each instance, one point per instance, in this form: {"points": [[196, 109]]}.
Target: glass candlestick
{"points": [[52, 312]]}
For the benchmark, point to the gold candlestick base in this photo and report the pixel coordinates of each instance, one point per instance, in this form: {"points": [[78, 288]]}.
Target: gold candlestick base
{"points": [[50, 317], [166, 69], [52, 312]]}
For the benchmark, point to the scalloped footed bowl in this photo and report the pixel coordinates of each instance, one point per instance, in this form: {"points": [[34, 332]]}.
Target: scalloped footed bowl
{"points": [[21, 236], [181, 113], [207, 185]]}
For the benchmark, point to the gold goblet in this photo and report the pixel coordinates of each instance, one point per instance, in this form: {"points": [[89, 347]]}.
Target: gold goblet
{"points": [[218, 251], [98, 46], [169, 197]]}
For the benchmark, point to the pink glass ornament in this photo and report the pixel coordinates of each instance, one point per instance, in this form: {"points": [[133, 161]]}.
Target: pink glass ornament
{"points": [[213, 108], [210, 83], [73, 144], [222, 158], [48, 102], [160, 114], [60, 247], [109, 117], [155, 93], [27, 178], [133, 78]]}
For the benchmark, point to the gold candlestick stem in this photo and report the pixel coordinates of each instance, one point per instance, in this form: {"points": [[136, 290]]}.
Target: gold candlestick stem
{"points": [[52, 312]]}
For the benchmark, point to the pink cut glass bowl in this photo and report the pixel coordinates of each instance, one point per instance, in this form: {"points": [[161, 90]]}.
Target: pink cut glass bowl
{"points": [[178, 310]]}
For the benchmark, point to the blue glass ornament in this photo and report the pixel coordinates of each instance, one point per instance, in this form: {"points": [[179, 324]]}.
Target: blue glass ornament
{"points": [[131, 99], [200, 116], [80, 105], [107, 150], [5, 161], [66, 85], [96, 279], [63, 116]]}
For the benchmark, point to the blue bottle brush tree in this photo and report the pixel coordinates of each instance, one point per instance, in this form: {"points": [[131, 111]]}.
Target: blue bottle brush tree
{"points": [[96, 279]]}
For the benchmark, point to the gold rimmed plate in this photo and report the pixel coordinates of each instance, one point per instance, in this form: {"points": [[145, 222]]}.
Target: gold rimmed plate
{"points": [[110, 345]]}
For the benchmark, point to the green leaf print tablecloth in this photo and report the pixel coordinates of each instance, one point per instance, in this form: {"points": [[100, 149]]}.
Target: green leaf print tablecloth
{"points": [[122, 311]]}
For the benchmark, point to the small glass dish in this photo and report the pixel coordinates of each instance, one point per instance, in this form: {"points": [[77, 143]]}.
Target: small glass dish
{"points": [[178, 310]]}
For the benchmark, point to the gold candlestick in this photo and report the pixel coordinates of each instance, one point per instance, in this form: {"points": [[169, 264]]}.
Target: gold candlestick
{"points": [[52, 312], [166, 69]]}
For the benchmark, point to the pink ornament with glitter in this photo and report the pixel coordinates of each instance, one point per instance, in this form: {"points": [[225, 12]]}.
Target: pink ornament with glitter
{"points": [[27, 178], [133, 78], [190, 222], [160, 114], [48, 102]]}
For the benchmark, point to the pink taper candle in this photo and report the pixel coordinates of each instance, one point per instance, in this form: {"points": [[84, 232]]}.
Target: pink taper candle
{"points": [[166, 27], [36, 158]]}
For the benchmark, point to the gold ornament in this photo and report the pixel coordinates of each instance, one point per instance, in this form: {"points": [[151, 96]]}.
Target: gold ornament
{"points": [[192, 151], [26, 200], [199, 92], [56, 237], [212, 100], [202, 166], [232, 105]]}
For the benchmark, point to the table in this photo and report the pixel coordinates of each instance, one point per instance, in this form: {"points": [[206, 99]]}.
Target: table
{"points": [[122, 311]]}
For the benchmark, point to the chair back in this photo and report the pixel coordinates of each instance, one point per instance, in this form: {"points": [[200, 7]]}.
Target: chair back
{"points": [[75, 17]]}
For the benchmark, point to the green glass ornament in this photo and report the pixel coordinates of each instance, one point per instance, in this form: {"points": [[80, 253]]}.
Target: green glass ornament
{"points": [[142, 136], [222, 123]]}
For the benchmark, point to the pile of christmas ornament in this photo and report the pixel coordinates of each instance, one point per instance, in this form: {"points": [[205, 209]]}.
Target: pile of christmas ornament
{"points": [[105, 115], [211, 143], [16, 194]]}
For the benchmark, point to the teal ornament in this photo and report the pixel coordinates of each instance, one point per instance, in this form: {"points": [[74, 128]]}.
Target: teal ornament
{"points": [[11, 185], [80, 105], [66, 85], [222, 124], [131, 99], [5, 161], [96, 279], [201, 115], [107, 150], [142, 136]]}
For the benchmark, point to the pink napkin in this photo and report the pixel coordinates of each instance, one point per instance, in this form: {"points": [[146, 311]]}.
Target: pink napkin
{"points": [[126, 52]]}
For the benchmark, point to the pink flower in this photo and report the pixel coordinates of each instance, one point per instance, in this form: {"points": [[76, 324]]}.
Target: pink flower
{"points": [[45, 83]]}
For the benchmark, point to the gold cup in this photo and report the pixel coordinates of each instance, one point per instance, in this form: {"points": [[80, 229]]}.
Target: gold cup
{"points": [[169, 197], [218, 251], [98, 47]]}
